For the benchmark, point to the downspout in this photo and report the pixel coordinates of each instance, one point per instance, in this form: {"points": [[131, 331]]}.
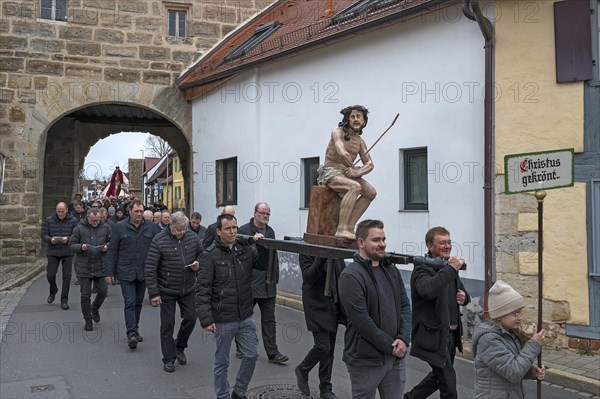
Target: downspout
{"points": [[472, 11]]}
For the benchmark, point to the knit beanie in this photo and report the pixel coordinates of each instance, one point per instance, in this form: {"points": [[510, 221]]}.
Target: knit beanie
{"points": [[503, 299]]}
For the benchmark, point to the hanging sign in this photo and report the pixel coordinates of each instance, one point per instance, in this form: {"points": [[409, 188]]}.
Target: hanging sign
{"points": [[538, 171]]}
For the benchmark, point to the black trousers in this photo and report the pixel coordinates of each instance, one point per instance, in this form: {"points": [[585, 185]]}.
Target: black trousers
{"points": [[86, 294], [187, 307], [52, 270], [322, 353], [442, 378], [267, 324]]}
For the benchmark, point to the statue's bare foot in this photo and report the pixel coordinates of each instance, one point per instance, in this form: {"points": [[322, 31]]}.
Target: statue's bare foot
{"points": [[345, 234]]}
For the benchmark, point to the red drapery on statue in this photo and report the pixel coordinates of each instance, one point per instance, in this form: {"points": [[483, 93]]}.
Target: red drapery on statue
{"points": [[116, 180]]}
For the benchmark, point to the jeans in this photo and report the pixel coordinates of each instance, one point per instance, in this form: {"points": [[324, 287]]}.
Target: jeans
{"points": [[267, 324], [187, 307], [52, 269], [389, 379], [133, 298], [86, 295], [442, 378], [244, 332], [322, 353]]}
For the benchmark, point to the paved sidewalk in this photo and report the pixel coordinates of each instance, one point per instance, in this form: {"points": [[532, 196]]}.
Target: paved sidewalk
{"points": [[575, 372]]}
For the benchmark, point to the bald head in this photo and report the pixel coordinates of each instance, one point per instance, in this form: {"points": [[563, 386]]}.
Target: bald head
{"points": [[228, 210], [61, 210]]}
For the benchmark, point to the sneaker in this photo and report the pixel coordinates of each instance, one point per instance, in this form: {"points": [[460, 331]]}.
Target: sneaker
{"points": [[77, 282], [88, 325], [278, 359], [181, 359], [302, 381], [96, 316], [238, 354], [236, 396], [169, 366], [51, 298], [132, 341], [139, 337], [64, 305]]}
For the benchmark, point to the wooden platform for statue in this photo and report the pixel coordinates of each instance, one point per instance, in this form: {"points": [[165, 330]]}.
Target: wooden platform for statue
{"points": [[323, 218]]}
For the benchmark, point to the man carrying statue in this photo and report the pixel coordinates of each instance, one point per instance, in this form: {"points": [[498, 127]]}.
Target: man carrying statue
{"points": [[340, 174]]}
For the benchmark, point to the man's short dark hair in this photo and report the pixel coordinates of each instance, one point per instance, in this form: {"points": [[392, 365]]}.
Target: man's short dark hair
{"points": [[435, 231], [134, 203], [362, 229], [225, 216], [196, 215]]}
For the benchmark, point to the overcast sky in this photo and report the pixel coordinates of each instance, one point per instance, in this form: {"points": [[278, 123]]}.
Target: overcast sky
{"points": [[115, 149]]}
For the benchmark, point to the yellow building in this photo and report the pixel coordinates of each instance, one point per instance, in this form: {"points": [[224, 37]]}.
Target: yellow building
{"points": [[547, 97], [176, 196]]}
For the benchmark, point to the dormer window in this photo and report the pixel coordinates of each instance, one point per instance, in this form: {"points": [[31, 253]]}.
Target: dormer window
{"points": [[260, 34]]}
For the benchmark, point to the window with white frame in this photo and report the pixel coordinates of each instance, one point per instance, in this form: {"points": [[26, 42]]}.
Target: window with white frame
{"points": [[309, 169], [227, 173], [414, 175], [177, 23], [53, 9]]}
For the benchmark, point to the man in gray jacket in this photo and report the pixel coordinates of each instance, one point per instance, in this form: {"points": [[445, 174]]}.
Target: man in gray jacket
{"points": [[377, 309], [56, 231], [171, 268]]}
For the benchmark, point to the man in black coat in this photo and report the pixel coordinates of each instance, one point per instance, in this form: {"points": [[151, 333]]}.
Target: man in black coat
{"points": [[196, 227], [436, 293], [89, 242], [129, 244], [376, 306], [224, 304], [171, 268], [264, 293], [322, 314], [56, 231]]}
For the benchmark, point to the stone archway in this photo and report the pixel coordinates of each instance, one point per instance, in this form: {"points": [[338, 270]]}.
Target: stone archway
{"points": [[70, 138]]}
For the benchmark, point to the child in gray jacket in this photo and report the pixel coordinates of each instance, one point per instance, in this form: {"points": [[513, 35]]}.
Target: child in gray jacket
{"points": [[501, 361]]}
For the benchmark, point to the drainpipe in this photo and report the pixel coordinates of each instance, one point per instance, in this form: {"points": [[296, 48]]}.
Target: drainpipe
{"points": [[472, 11]]}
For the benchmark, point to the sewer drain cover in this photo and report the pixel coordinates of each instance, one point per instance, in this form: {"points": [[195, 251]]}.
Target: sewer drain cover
{"points": [[279, 391], [42, 388]]}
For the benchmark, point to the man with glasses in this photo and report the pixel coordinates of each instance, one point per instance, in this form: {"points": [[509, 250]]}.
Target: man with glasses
{"points": [[56, 230], [437, 294], [125, 260], [171, 268], [264, 293]]}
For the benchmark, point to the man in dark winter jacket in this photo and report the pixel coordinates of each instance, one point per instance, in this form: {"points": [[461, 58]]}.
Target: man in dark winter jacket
{"points": [[377, 309], [436, 294], [264, 293], [224, 303], [196, 227], [56, 231], [125, 260], [171, 268], [322, 314], [89, 242]]}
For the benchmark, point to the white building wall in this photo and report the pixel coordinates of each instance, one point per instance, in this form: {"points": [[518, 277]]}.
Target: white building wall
{"points": [[430, 72]]}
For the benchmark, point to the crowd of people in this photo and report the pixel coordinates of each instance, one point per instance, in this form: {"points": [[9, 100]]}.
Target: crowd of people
{"points": [[216, 275]]}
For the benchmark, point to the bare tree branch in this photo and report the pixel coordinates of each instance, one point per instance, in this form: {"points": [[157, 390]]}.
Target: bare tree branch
{"points": [[156, 146]]}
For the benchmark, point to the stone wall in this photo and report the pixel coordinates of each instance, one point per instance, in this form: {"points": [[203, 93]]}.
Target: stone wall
{"points": [[108, 51]]}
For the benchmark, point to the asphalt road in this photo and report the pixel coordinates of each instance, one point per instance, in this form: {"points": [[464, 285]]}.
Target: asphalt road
{"points": [[45, 353]]}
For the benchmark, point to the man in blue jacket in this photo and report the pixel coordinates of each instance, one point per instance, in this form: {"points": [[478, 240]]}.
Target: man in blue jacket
{"points": [[377, 309], [129, 244]]}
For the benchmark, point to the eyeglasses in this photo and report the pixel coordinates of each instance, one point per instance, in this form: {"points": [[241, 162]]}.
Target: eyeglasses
{"points": [[264, 213], [516, 315]]}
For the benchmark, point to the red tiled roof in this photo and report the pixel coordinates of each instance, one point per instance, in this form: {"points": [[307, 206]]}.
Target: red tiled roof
{"points": [[149, 163], [304, 25]]}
